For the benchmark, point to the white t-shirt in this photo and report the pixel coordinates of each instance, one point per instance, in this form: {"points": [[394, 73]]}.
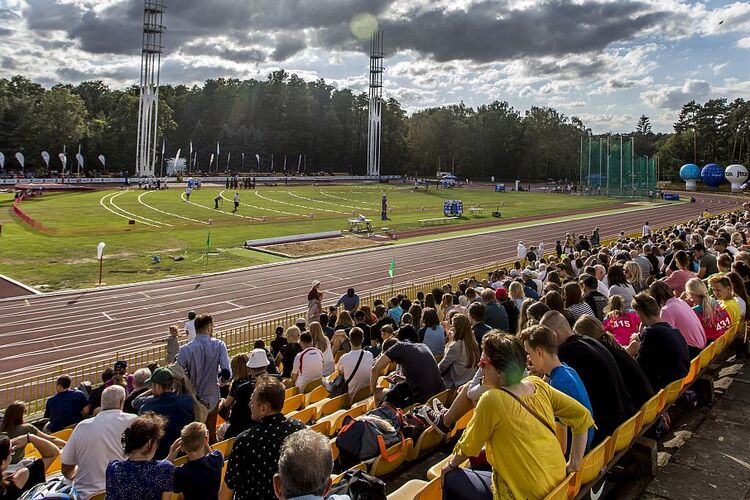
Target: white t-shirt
{"points": [[361, 378], [646, 230], [602, 288], [93, 444], [308, 364], [190, 329]]}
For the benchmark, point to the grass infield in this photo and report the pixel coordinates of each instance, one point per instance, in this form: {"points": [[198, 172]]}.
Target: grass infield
{"points": [[170, 227]]}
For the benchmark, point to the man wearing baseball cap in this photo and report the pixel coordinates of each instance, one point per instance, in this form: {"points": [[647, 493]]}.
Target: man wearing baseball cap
{"points": [[510, 308], [177, 409]]}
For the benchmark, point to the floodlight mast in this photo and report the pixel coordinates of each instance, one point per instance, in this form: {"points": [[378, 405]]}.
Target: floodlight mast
{"points": [[148, 106], [375, 104]]}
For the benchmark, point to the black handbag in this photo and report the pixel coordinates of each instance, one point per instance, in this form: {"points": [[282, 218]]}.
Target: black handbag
{"points": [[340, 385]]}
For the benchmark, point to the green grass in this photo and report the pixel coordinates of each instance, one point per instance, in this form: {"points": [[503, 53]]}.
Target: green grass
{"points": [[66, 258]]}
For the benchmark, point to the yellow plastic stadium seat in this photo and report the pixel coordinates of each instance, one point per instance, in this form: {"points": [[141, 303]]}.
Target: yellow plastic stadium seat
{"points": [[324, 427], [318, 393], [591, 466], [672, 392], [334, 450], [562, 490], [361, 395], [721, 344], [182, 460], [312, 385], [292, 391], [63, 434], [394, 457], [428, 440], [431, 491], [707, 355], [305, 415], [294, 403], [434, 471], [408, 491], [336, 478], [337, 418], [332, 405], [623, 435], [651, 408], [225, 447], [99, 496], [695, 364], [443, 397], [462, 423], [176, 496]]}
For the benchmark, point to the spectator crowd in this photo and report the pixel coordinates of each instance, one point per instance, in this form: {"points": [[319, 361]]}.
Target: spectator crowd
{"points": [[582, 337]]}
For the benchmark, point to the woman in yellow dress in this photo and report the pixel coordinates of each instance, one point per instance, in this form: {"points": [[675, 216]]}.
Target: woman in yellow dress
{"points": [[515, 421]]}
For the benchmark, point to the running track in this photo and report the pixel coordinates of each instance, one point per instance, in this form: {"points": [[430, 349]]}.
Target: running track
{"points": [[43, 331]]}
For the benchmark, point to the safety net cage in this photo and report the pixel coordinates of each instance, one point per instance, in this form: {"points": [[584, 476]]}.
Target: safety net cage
{"points": [[610, 167]]}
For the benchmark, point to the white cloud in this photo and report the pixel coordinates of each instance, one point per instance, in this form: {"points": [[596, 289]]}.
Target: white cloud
{"points": [[668, 97], [744, 43]]}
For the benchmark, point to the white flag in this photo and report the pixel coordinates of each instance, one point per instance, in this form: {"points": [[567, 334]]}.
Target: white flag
{"points": [[103, 160], [63, 160], [163, 147], [271, 162], [2, 160], [299, 163], [45, 157], [191, 148], [284, 163], [79, 158], [257, 157], [100, 250], [21, 159], [218, 152], [211, 161]]}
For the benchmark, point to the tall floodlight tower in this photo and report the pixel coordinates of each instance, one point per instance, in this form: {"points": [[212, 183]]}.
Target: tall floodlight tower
{"points": [[376, 104], [148, 108]]}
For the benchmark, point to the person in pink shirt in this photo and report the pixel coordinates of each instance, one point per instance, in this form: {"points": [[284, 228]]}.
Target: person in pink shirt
{"points": [[714, 318], [620, 322], [680, 315], [678, 278]]}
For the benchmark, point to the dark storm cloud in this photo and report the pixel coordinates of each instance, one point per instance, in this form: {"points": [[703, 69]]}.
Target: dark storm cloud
{"points": [[487, 31], [483, 32], [286, 47]]}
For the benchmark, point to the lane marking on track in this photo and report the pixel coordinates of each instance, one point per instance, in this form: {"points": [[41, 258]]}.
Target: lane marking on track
{"points": [[295, 205], [233, 304], [213, 210], [135, 216], [27, 302], [221, 193], [106, 198], [263, 208], [317, 201], [145, 295], [166, 213], [107, 316], [353, 201]]}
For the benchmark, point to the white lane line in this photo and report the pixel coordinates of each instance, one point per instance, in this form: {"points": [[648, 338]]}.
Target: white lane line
{"points": [[145, 295], [163, 212], [347, 199], [106, 198], [233, 304], [111, 202], [213, 210], [107, 316], [232, 201], [264, 208], [317, 201]]}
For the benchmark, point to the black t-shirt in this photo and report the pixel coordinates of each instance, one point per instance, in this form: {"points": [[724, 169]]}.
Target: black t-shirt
{"points": [[375, 329], [288, 352], [366, 331], [419, 367], [603, 381], [663, 355], [36, 476], [597, 302], [200, 479], [407, 332], [277, 344], [512, 311], [636, 382], [128, 406], [240, 418]]}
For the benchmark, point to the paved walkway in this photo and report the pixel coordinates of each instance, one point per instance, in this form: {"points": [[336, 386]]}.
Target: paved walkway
{"points": [[714, 462]]}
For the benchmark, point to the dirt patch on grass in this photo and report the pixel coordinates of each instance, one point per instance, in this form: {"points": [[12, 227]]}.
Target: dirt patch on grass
{"points": [[319, 247]]}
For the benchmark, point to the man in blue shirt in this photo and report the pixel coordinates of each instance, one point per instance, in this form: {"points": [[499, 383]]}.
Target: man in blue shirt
{"points": [[205, 360], [395, 310], [65, 407], [349, 300], [541, 346], [177, 409]]}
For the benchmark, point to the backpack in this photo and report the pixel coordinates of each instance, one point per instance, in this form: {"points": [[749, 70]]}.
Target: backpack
{"points": [[54, 489], [413, 425], [359, 486], [364, 438]]}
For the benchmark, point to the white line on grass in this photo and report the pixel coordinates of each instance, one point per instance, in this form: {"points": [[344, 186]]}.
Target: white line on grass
{"points": [[349, 199], [106, 196], [262, 208], [238, 215], [111, 202], [213, 210], [316, 201], [163, 212]]}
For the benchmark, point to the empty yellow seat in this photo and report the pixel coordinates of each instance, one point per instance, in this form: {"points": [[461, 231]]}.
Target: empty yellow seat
{"points": [[225, 447], [305, 415], [319, 393], [336, 419], [623, 435], [293, 404], [651, 408], [428, 440], [331, 405], [434, 471], [672, 392], [562, 491], [408, 491], [292, 391], [707, 355], [323, 427], [393, 458], [695, 364], [592, 464], [311, 386]]}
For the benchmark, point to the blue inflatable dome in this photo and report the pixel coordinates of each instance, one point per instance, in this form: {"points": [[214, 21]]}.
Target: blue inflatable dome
{"points": [[690, 172], [713, 175]]}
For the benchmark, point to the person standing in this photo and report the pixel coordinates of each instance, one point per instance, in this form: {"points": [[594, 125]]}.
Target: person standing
{"points": [[646, 232], [190, 326], [216, 201], [202, 359], [188, 190], [236, 202]]}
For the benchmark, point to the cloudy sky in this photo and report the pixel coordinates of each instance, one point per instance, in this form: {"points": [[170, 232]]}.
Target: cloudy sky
{"points": [[606, 61]]}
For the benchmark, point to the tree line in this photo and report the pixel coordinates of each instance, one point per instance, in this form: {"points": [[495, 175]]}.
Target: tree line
{"points": [[290, 118]]}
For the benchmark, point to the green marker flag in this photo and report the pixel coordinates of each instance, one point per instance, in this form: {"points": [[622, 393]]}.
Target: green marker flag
{"points": [[392, 269], [208, 242]]}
